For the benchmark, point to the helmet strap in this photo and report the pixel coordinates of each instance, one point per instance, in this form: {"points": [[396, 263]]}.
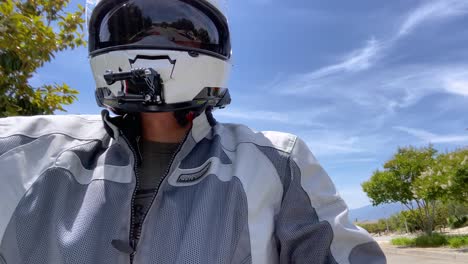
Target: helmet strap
{"points": [[185, 117]]}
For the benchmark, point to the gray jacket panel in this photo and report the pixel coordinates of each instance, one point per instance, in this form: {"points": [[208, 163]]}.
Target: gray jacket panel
{"points": [[232, 195]]}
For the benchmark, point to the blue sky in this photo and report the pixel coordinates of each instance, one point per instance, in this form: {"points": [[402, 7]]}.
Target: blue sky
{"points": [[354, 79]]}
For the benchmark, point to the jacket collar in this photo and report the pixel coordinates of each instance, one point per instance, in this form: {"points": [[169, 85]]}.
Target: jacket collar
{"points": [[201, 126], [129, 126]]}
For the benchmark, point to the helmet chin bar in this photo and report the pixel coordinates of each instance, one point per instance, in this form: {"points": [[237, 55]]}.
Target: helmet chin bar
{"points": [[146, 82], [143, 92]]}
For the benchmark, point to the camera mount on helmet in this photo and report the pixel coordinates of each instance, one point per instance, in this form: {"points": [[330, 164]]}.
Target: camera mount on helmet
{"points": [[142, 91], [146, 81]]}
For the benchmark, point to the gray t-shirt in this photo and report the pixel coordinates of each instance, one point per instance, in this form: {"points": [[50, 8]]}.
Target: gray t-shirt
{"points": [[156, 158]]}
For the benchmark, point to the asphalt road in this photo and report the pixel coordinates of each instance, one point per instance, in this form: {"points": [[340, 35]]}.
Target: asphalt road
{"points": [[402, 259], [397, 258]]}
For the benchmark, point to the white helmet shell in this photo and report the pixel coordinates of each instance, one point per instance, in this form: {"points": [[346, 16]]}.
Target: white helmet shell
{"points": [[183, 75]]}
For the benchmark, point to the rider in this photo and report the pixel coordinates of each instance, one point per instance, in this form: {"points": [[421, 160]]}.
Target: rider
{"points": [[161, 181]]}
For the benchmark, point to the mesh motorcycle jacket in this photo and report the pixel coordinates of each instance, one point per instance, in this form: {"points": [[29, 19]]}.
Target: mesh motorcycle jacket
{"points": [[231, 195]]}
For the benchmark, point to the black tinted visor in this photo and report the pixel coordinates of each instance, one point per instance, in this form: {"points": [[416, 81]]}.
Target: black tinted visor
{"points": [[158, 24]]}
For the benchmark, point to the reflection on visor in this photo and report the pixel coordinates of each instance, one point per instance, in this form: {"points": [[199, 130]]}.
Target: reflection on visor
{"points": [[173, 24]]}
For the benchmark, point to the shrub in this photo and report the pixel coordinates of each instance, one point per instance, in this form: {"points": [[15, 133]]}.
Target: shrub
{"points": [[403, 241], [457, 222], [434, 240], [458, 241]]}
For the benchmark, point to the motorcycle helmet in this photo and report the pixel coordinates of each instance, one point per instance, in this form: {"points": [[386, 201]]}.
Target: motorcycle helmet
{"points": [[159, 55]]}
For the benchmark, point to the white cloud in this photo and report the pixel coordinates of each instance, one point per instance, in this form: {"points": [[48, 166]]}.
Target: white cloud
{"points": [[383, 92], [298, 119], [456, 83], [415, 82], [432, 11], [429, 137], [362, 59], [326, 143], [357, 60], [334, 148], [366, 57]]}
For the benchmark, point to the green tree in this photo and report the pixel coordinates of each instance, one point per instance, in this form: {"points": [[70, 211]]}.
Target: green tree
{"points": [[453, 167], [412, 220], [398, 222], [405, 179], [31, 32], [456, 211]]}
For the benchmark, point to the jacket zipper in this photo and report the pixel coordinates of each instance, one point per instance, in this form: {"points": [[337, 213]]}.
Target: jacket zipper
{"points": [[137, 185]]}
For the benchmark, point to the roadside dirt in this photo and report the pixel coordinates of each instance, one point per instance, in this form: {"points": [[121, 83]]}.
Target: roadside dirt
{"points": [[447, 231], [459, 231]]}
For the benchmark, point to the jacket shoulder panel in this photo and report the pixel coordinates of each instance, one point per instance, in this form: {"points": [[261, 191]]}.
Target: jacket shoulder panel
{"points": [[280, 140], [74, 126], [349, 243], [257, 160], [31, 145], [234, 134]]}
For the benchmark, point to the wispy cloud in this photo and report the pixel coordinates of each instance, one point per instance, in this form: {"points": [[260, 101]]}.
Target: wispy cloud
{"points": [[382, 91], [335, 143], [432, 11], [368, 56], [331, 148], [406, 85], [456, 82], [428, 137], [275, 117], [357, 60]]}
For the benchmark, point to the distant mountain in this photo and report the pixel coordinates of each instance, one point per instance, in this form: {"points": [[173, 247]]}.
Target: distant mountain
{"points": [[372, 213]]}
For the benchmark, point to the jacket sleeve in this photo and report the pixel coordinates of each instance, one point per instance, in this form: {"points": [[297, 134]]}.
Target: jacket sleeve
{"points": [[12, 159], [313, 225]]}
